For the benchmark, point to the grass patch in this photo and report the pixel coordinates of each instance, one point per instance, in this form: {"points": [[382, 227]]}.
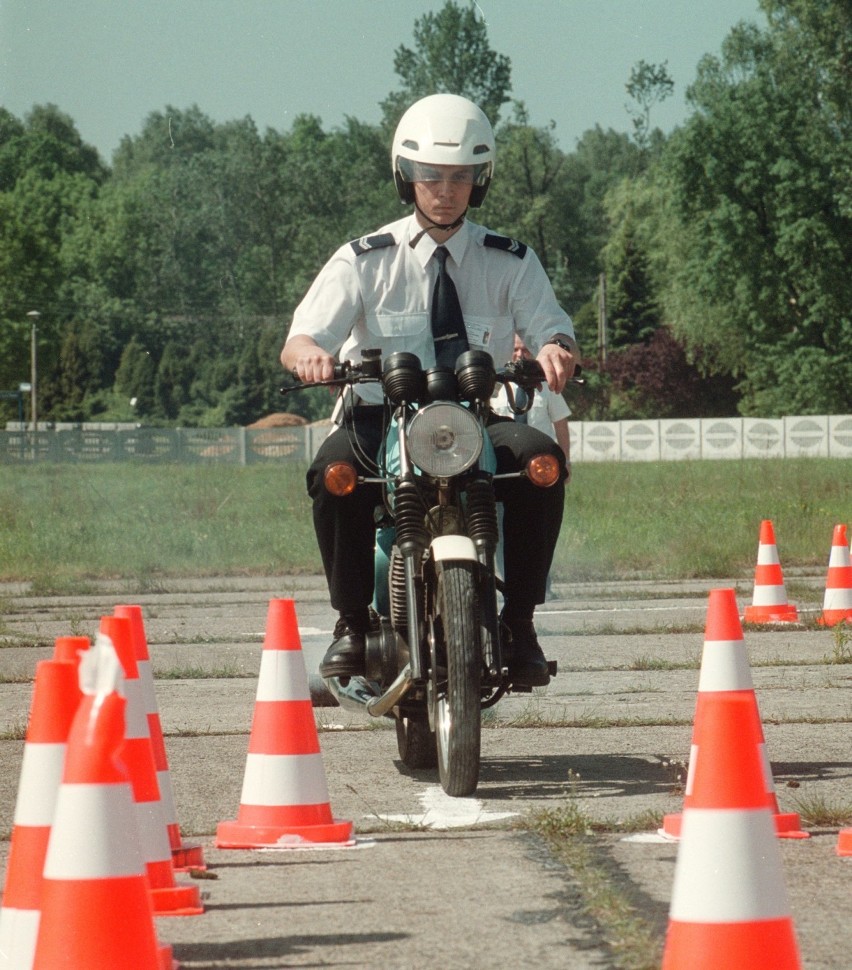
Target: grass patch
{"points": [[817, 810], [65, 526], [534, 716], [202, 673], [634, 943], [842, 654], [658, 663], [15, 732]]}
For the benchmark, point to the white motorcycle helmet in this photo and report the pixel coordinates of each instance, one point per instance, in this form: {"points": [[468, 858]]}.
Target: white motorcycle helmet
{"points": [[443, 129]]}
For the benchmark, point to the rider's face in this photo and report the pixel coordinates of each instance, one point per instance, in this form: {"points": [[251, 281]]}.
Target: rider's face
{"points": [[445, 200]]}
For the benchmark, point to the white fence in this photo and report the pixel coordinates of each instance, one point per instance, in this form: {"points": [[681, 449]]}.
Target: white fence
{"points": [[672, 439], [663, 440]]}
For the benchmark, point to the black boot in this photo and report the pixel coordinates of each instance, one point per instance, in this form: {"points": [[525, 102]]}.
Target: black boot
{"points": [[345, 656], [527, 664]]}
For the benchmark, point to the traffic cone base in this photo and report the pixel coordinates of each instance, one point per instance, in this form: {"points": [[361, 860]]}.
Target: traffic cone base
{"points": [[771, 614], [242, 835], [188, 856], [844, 842]]}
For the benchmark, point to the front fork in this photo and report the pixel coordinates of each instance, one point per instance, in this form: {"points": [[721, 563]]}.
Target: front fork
{"points": [[483, 530]]}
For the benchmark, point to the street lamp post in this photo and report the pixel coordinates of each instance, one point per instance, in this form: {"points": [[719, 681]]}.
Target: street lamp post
{"points": [[34, 317]]}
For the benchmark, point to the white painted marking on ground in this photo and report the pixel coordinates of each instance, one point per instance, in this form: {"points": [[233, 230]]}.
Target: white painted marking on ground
{"points": [[441, 811], [647, 837]]}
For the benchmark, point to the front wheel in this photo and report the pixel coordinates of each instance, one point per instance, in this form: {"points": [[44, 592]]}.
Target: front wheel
{"points": [[416, 743], [457, 696]]}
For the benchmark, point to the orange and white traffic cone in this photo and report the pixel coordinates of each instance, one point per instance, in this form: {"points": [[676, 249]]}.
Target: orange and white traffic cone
{"points": [[72, 649], [56, 696], [844, 842], [285, 796], [95, 904], [184, 856], [837, 603], [725, 670], [769, 601], [729, 904], [168, 897]]}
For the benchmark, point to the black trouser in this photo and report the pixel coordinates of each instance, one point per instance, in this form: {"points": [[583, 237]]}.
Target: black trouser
{"points": [[346, 530]]}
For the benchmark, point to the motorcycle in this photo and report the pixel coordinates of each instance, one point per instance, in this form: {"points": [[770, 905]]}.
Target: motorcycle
{"points": [[437, 655]]}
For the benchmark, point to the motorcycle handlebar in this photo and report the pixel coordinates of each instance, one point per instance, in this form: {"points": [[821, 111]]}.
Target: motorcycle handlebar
{"points": [[526, 373]]}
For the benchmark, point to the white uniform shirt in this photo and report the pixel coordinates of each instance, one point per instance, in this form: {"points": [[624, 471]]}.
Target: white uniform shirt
{"points": [[381, 297], [546, 409]]}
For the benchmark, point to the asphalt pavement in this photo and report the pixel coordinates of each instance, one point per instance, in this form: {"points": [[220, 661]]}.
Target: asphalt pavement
{"points": [[431, 881]]}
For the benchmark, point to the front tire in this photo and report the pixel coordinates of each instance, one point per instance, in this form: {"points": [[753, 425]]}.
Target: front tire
{"points": [[415, 742], [457, 698]]}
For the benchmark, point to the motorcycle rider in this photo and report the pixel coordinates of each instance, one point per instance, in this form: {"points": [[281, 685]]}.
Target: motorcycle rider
{"points": [[376, 292]]}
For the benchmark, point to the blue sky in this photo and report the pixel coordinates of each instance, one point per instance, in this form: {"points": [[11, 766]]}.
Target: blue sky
{"points": [[109, 63]]}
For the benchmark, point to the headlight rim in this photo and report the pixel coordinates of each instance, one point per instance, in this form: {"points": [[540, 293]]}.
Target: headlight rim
{"points": [[419, 439]]}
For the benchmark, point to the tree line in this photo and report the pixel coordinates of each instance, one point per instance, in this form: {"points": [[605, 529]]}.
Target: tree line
{"points": [[165, 281]]}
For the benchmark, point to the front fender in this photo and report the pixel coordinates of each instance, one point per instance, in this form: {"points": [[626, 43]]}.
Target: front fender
{"points": [[455, 547]]}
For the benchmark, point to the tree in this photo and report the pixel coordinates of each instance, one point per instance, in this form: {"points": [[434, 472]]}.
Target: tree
{"points": [[451, 55], [528, 201], [759, 192], [633, 313], [654, 379], [134, 379], [649, 84], [48, 177]]}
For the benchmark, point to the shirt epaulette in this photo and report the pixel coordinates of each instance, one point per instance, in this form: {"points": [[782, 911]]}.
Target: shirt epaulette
{"points": [[367, 243], [506, 244]]}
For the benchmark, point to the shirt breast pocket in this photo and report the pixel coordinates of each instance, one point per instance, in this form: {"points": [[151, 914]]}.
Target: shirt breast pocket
{"points": [[482, 332], [393, 326]]}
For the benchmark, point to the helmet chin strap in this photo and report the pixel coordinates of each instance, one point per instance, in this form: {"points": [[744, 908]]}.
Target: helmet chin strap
{"points": [[435, 225]]}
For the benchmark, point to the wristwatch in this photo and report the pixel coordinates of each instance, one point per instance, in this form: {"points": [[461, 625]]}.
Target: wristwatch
{"points": [[561, 343]]}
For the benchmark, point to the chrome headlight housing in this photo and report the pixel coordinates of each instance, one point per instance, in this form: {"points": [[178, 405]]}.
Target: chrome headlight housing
{"points": [[444, 439]]}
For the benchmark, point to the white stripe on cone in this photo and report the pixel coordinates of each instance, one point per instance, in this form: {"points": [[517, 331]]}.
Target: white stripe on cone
{"points": [[769, 596], [284, 779], [137, 720], [18, 935], [725, 666], [741, 884], [94, 834], [282, 676], [767, 555], [41, 776]]}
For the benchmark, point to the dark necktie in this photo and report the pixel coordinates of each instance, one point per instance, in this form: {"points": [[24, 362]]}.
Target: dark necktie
{"points": [[448, 330], [521, 399]]}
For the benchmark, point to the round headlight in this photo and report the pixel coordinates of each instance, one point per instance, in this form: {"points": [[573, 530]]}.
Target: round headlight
{"points": [[444, 439]]}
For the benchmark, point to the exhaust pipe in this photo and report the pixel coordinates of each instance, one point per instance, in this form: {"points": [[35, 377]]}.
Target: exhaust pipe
{"points": [[359, 694]]}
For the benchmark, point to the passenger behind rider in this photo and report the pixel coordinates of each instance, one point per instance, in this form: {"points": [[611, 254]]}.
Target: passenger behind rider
{"points": [[376, 292], [549, 413]]}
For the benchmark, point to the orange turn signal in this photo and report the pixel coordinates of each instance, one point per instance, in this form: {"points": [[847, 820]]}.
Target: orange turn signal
{"points": [[340, 478], [543, 470]]}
